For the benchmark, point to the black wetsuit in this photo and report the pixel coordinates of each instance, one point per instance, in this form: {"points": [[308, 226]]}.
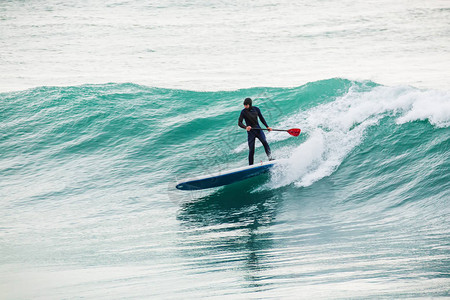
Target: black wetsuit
{"points": [[251, 119]]}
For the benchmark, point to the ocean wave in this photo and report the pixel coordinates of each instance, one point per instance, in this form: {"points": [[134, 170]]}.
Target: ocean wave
{"points": [[334, 129]]}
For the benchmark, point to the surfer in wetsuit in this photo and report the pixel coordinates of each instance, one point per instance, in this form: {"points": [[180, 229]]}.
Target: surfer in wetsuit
{"points": [[250, 114]]}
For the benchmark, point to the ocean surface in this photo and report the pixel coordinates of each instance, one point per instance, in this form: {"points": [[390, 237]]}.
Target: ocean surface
{"points": [[105, 105]]}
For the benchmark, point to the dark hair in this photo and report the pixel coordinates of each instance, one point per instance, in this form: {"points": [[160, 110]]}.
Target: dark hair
{"points": [[248, 101]]}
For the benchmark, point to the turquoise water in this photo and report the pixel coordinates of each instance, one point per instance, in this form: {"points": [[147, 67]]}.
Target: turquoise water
{"points": [[89, 208]]}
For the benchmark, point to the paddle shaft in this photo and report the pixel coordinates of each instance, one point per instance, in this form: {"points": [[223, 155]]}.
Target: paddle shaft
{"points": [[272, 129], [292, 131]]}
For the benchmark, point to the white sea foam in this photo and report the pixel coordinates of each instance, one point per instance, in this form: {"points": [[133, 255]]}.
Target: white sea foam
{"points": [[433, 106]]}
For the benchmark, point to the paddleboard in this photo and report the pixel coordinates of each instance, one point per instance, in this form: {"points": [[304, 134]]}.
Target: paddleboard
{"points": [[225, 177]]}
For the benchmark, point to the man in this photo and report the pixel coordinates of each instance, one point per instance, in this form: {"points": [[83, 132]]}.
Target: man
{"points": [[250, 114]]}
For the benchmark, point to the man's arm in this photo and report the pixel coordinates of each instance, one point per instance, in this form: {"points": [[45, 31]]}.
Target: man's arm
{"points": [[241, 118], [262, 118]]}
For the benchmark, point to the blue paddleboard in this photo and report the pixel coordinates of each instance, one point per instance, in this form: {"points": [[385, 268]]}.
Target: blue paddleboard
{"points": [[224, 177]]}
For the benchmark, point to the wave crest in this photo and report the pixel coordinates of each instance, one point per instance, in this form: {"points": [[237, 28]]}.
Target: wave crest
{"points": [[334, 129]]}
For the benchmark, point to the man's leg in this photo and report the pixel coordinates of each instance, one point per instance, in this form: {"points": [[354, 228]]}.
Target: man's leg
{"points": [[251, 147], [262, 137]]}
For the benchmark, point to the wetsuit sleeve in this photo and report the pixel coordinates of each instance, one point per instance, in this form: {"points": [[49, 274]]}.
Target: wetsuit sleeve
{"points": [[262, 118], [241, 118]]}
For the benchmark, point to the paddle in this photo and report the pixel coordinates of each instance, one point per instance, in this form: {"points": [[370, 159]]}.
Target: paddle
{"points": [[293, 131]]}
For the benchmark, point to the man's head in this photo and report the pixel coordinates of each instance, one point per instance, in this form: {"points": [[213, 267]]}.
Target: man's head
{"points": [[247, 103]]}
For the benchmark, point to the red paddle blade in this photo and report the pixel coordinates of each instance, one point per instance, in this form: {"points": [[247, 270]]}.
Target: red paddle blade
{"points": [[294, 131]]}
